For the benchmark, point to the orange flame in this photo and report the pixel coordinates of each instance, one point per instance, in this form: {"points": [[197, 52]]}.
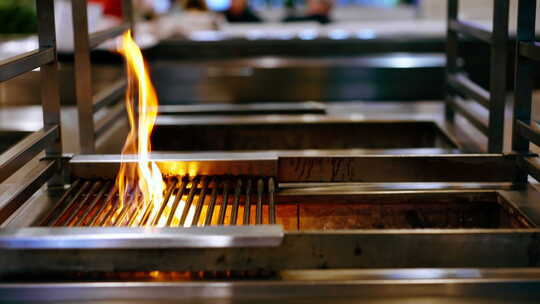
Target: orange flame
{"points": [[143, 175]]}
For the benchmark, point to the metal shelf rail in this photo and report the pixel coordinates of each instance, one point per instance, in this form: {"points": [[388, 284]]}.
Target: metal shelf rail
{"points": [[47, 139], [459, 86], [89, 103], [525, 129]]}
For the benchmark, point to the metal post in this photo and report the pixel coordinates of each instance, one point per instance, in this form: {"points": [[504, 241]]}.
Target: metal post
{"points": [[128, 14], [50, 94], [451, 55], [523, 78], [83, 77], [87, 102], [499, 53]]}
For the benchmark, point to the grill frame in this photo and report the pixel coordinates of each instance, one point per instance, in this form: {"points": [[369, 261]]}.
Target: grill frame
{"points": [[335, 249]]}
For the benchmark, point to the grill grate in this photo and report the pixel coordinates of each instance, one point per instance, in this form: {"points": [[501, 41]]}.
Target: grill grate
{"points": [[188, 201]]}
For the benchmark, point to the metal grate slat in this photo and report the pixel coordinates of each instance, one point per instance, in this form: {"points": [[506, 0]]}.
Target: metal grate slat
{"points": [[96, 203]]}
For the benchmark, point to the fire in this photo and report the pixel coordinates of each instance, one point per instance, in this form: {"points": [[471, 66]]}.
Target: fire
{"points": [[142, 176]]}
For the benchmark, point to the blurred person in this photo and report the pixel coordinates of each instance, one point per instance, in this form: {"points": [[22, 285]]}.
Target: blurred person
{"points": [[113, 8], [239, 11], [193, 16], [317, 10], [197, 17]]}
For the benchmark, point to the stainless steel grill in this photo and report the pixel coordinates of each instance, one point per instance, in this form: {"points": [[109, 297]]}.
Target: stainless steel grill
{"points": [[188, 201], [346, 211]]}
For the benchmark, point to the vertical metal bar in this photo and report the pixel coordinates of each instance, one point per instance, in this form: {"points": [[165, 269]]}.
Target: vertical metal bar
{"points": [[85, 201], [83, 77], [56, 220], [187, 206], [237, 192], [146, 215], [97, 199], [200, 202], [225, 199], [498, 71], [127, 14], [213, 198], [523, 79], [247, 203], [260, 189], [451, 55], [50, 92], [271, 206]]}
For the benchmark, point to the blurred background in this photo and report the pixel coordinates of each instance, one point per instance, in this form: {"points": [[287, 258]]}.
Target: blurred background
{"points": [[241, 51]]}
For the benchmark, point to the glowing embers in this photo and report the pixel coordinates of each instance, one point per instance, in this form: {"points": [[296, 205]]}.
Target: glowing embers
{"points": [[143, 276], [188, 201]]}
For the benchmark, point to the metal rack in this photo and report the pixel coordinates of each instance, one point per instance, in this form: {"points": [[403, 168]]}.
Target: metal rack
{"points": [[75, 209], [47, 139], [88, 102], [525, 129], [460, 85]]}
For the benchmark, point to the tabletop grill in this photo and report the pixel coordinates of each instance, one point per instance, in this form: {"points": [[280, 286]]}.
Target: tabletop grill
{"points": [[226, 200]]}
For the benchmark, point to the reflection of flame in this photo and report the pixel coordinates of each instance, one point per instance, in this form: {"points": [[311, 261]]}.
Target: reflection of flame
{"points": [[142, 175]]}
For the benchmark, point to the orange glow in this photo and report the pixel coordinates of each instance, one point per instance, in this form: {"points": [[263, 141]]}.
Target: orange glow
{"points": [[142, 175]]}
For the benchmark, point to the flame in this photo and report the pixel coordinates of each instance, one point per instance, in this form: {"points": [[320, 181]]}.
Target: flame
{"points": [[142, 176]]}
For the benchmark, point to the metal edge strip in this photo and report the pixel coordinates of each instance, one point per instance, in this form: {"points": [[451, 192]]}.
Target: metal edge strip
{"points": [[141, 237]]}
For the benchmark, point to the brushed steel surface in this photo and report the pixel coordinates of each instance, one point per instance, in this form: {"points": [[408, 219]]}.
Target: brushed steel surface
{"points": [[178, 164], [472, 168], [398, 168], [140, 237], [431, 248], [245, 109], [296, 132], [454, 286]]}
